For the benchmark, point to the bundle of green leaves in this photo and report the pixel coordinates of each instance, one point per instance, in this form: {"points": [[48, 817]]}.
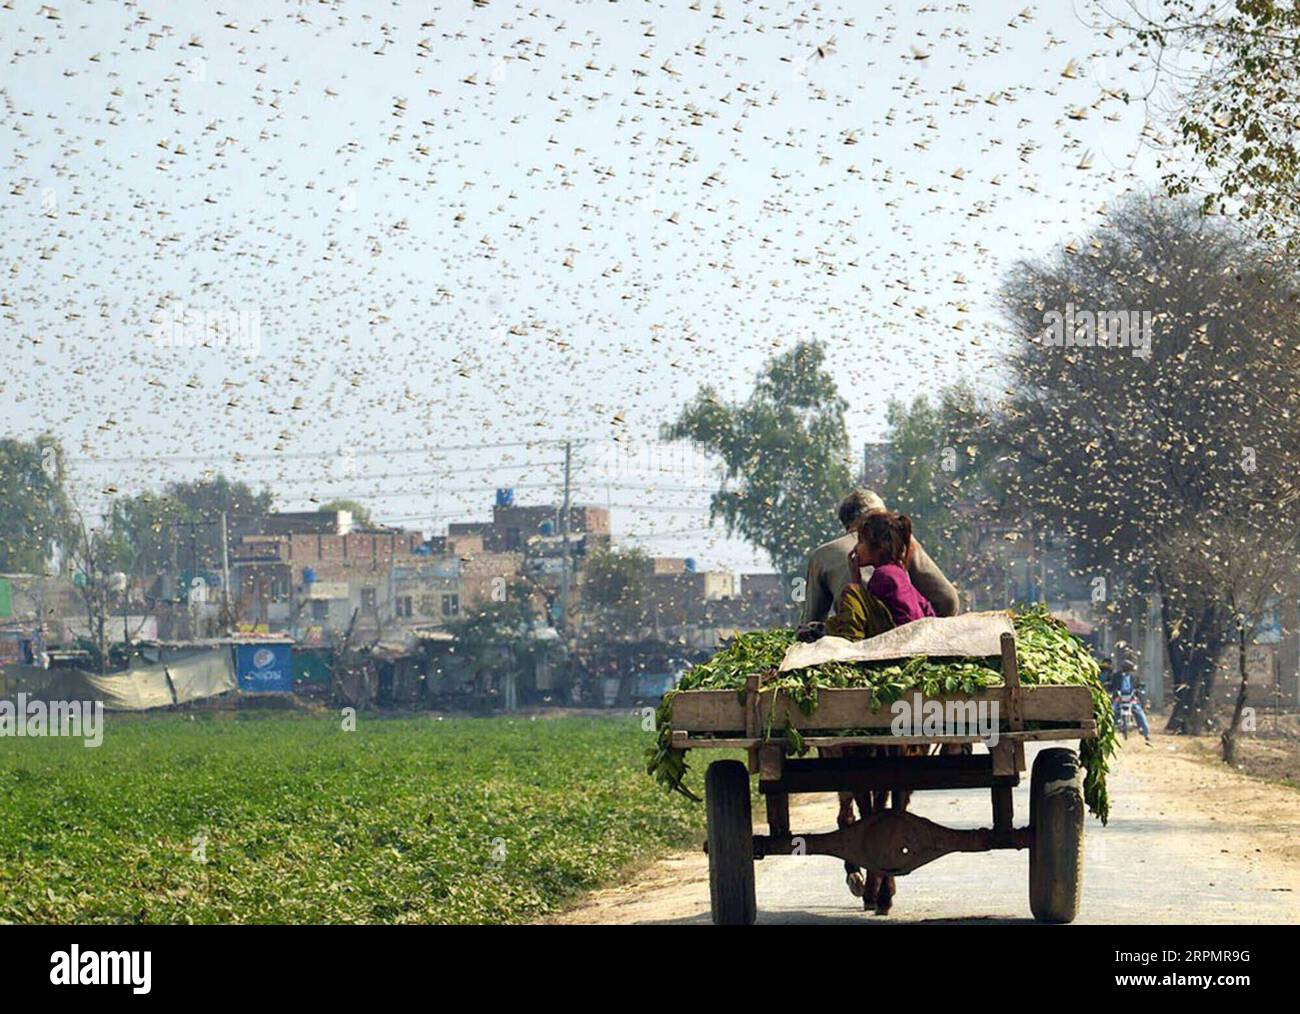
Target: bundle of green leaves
{"points": [[1048, 655]]}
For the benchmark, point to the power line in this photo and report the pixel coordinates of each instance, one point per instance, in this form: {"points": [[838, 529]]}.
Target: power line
{"points": [[489, 487], [237, 458], [644, 537], [378, 476], [592, 485], [680, 533], [616, 452]]}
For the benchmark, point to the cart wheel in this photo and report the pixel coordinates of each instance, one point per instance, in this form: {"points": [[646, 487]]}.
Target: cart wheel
{"points": [[1056, 856], [731, 843]]}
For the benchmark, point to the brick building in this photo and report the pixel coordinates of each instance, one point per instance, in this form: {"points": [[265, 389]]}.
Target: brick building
{"points": [[512, 527], [436, 589], [308, 574]]}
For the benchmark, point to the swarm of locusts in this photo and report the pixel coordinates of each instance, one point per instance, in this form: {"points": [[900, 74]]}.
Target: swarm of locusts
{"points": [[1048, 655]]}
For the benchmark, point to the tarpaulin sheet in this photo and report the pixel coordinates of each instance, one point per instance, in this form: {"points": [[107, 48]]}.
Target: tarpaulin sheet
{"points": [[140, 688], [136, 689], [971, 634], [203, 674]]}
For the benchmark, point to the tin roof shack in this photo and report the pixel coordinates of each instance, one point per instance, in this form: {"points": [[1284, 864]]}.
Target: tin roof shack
{"points": [[18, 646], [622, 671], [401, 674], [449, 676], [632, 672], [313, 670]]}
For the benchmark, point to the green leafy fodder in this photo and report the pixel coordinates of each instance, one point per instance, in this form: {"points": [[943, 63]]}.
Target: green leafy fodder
{"points": [[1048, 656]]}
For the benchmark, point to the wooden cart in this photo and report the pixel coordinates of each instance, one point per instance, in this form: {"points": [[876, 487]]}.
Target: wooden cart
{"points": [[894, 841]]}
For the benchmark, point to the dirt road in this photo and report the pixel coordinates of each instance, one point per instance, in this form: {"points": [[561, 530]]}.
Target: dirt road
{"points": [[1187, 843]]}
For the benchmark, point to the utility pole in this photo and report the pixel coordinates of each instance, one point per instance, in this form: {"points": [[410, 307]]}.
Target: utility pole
{"points": [[189, 591], [225, 576], [564, 533], [175, 573]]}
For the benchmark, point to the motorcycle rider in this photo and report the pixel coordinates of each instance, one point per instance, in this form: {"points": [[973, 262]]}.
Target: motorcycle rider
{"points": [[1124, 685]]}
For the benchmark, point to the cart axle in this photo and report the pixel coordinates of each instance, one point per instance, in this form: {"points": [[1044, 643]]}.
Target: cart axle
{"points": [[893, 842]]}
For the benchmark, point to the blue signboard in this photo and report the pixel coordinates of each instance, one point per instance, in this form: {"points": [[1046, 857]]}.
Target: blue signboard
{"points": [[264, 668]]}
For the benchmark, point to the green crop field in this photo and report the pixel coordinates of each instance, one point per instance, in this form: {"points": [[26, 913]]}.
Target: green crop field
{"points": [[287, 818]]}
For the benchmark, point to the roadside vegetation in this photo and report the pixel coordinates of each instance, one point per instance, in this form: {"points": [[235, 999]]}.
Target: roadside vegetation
{"points": [[289, 819]]}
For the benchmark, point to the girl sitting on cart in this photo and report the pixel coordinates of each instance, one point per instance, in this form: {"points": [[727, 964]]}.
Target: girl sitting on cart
{"points": [[888, 599]]}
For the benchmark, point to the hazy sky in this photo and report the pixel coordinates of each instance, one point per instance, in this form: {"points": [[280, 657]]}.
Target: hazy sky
{"points": [[469, 231]]}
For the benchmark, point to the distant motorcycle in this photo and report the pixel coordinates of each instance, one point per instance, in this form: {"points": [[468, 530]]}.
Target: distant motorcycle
{"points": [[1126, 703]]}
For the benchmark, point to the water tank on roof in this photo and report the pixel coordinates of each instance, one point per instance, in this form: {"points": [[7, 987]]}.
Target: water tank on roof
{"points": [[690, 565], [547, 527], [308, 575], [505, 496]]}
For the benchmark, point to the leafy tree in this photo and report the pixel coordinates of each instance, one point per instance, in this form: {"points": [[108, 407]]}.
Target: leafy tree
{"points": [[616, 605], [35, 515], [937, 459], [205, 499], [785, 452], [148, 526], [360, 513], [1176, 470], [1237, 103], [98, 559], [915, 468], [941, 472], [498, 636], [615, 587], [181, 524]]}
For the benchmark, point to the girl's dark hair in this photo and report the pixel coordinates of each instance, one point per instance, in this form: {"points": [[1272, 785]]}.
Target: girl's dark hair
{"points": [[892, 532]]}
